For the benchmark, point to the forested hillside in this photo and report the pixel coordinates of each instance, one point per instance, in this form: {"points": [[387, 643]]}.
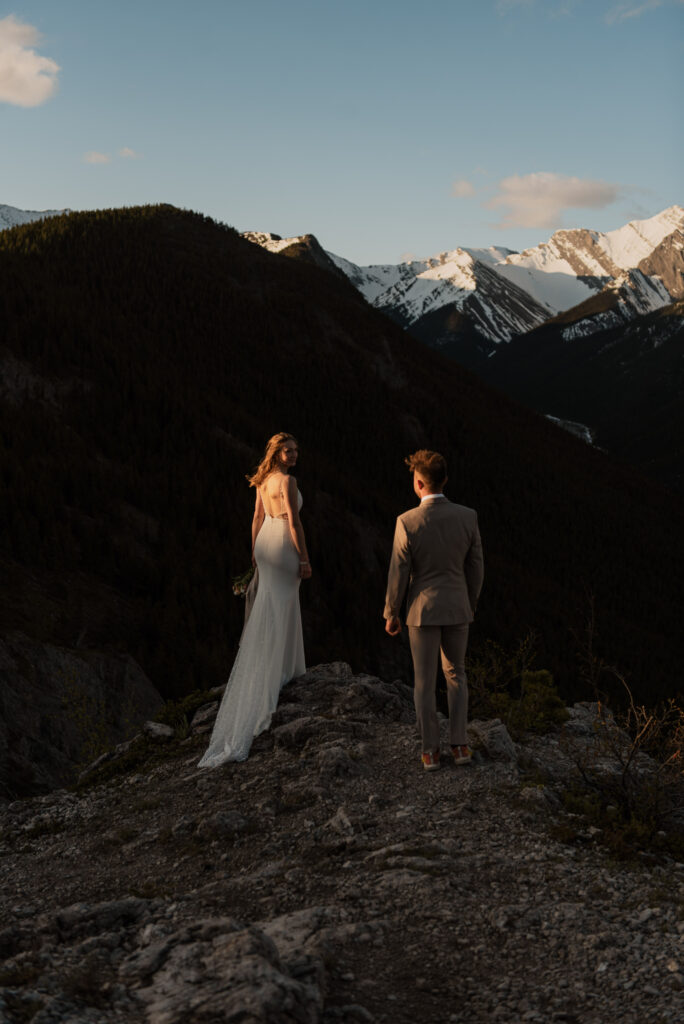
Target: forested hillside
{"points": [[626, 383], [146, 356]]}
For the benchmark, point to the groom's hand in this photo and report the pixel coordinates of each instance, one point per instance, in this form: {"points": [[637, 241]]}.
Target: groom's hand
{"points": [[393, 626]]}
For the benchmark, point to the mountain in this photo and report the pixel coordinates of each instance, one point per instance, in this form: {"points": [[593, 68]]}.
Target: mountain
{"points": [[304, 247], [10, 216], [148, 354], [508, 316], [575, 264], [622, 379], [466, 301]]}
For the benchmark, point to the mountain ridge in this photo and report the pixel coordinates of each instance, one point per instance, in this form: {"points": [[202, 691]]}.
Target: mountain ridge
{"points": [[572, 266], [12, 217]]}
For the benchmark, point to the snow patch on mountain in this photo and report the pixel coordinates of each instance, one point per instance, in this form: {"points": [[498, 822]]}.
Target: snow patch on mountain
{"points": [[553, 283], [591, 324], [11, 217], [417, 288], [632, 294], [629, 245], [274, 243], [575, 264], [578, 429]]}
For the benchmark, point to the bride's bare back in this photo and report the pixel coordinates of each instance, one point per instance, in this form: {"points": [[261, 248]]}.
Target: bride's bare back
{"points": [[278, 498], [273, 497]]}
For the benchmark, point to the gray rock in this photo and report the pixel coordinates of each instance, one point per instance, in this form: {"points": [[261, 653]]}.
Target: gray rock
{"points": [[218, 971], [296, 734], [84, 919], [494, 738], [55, 701], [333, 670], [334, 761], [157, 731], [583, 720], [185, 826], [371, 695], [204, 717], [341, 823], [223, 825]]}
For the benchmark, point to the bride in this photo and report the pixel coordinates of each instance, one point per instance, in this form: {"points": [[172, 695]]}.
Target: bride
{"points": [[271, 648]]}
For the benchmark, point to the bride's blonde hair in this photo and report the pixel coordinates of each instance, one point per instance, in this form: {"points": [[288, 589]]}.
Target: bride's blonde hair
{"points": [[270, 457]]}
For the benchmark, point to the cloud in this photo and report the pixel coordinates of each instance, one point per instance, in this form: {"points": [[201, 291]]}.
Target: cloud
{"points": [[93, 157], [462, 188], [628, 10], [538, 200], [26, 79]]}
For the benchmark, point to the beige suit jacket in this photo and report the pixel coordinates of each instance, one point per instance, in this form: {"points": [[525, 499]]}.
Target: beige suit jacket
{"points": [[437, 559]]}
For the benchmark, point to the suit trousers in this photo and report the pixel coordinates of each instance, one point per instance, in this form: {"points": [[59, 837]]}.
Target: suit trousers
{"points": [[426, 643]]}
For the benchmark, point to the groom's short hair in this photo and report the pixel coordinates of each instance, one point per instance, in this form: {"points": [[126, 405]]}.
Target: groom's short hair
{"points": [[430, 465]]}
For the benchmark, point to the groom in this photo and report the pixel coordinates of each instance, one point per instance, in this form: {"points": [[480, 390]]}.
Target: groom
{"points": [[437, 557]]}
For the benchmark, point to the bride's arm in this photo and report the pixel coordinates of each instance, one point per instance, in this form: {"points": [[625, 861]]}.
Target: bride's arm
{"points": [[257, 520], [296, 528]]}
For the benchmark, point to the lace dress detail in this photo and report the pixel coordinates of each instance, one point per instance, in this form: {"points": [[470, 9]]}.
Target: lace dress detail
{"points": [[271, 651]]}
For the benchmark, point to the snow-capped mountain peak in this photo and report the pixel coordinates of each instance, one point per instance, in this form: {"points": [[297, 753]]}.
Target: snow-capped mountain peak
{"points": [[501, 292], [629, 245], [274, 243], [10, 216]]}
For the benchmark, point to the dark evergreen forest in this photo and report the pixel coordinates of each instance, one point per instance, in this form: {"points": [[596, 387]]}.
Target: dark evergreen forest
{"points": [[146, 355]]}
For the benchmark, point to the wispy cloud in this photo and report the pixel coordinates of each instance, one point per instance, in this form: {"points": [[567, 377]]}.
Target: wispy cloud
{"points": [[538, 200], [26, 79], [462, 188], [624, 11], [93, 157]]}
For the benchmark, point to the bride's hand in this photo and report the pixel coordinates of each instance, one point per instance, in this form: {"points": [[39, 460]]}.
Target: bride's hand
{"points": [[305, 570]]}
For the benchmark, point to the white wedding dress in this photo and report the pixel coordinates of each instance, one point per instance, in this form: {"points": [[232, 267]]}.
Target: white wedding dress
{"points": [[271, 651]]}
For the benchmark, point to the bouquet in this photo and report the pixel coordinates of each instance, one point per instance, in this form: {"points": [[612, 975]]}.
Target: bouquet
{"points": [[240, 583]]}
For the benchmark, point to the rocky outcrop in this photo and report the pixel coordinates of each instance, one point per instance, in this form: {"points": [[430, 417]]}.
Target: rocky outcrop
{"points": [[667, 262], [329, 879], [60, 707]]}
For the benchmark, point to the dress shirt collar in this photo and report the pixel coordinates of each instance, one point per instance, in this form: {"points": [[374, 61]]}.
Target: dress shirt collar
{"points": [[426, 497]]}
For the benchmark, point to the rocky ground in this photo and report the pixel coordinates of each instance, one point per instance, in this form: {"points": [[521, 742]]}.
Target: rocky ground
{"points": [[328, 878]]}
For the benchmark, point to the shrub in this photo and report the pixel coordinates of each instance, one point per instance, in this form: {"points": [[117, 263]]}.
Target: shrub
{"points": [[502, 684]]}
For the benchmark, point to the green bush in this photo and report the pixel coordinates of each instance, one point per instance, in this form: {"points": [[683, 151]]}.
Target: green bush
{"points": [[504, 685], [178, 713]]}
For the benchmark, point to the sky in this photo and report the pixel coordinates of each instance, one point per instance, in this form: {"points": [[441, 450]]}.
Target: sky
{"points": [[388, 129]]}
